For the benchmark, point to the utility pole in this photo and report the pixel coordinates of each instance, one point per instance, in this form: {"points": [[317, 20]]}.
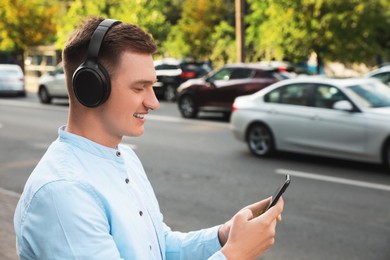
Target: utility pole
{"points": [[240, 29]]}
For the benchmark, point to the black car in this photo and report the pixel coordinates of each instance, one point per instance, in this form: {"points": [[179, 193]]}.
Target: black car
{"points": [[172, 72]]}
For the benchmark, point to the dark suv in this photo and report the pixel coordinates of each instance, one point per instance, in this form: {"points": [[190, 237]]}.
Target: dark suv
{"points": [[172, 72], [217, 91]]}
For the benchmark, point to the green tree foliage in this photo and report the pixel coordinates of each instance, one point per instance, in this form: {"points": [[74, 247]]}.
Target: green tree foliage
{"points": [[25, 23], [336, 30], [347, 31], [192, 35], [145, 13], [224, 45]]}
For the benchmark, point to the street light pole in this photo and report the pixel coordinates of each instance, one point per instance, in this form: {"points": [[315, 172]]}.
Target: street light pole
{"points": [[240, 29]]}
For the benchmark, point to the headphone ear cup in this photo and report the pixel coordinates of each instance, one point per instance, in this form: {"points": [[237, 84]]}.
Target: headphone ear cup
{"points": [[91, 84]]}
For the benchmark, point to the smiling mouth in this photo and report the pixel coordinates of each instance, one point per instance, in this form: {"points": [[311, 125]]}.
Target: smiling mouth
{"points": [[140, 116]]}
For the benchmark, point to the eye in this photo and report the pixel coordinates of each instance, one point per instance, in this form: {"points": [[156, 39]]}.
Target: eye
{"points": [[138, 89]]}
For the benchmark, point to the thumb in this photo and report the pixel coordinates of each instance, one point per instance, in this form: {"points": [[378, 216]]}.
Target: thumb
{"points": [[276, 210], [245, 214]]}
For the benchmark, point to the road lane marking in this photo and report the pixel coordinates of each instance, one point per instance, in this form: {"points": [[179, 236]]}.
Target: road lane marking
{"points": [[312, 176]]}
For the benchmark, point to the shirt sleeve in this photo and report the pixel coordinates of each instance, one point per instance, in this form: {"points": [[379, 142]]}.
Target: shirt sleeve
{"points": [[65, 220], [201, 244]]}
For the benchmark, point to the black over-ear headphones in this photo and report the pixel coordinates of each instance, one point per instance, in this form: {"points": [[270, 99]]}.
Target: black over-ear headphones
{"points": [[91, 81]]}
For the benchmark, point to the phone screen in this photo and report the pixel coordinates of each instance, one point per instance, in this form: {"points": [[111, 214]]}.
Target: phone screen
{"points": [[279, 191]]}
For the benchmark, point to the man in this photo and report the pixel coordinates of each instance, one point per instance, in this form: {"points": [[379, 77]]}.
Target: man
{"points": [[89, 197]]}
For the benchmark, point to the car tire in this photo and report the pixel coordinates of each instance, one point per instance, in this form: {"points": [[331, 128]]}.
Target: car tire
{"points": [[170, 93], [188, 107], [260, 140], [44, 95], [386, 155]]}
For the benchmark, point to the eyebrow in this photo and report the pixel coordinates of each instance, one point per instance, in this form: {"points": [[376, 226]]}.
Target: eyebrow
{"points": [[141, 82]]}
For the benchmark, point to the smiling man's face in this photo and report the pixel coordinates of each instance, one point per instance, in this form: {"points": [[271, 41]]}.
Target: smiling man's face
{"points": [[131, 97]]}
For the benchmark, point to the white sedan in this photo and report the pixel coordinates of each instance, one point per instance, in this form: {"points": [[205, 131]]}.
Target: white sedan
{"points": [[52, 85], [12, 80], [340, 118]]}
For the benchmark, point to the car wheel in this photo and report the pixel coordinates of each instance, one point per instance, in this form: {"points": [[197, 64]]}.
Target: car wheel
{"points": [[188, 107], [44, 95], [170, 93], [260, 140], [386, 155]]}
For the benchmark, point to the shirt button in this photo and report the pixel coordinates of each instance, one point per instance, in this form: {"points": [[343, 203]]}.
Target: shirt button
{"points": [[127, 180], [140, 213], [150, 247], [118, 154]]}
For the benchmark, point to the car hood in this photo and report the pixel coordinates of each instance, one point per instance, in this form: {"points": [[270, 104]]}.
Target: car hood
{"points": [[380, 111], [190, 83]]}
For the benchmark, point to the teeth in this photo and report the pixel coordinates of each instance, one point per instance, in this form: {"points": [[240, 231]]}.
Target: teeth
{"points": [[141, 116]]}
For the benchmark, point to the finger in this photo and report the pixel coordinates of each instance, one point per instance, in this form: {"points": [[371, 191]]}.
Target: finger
{"points": [[259, 207], [245, 214], [276, 210]]}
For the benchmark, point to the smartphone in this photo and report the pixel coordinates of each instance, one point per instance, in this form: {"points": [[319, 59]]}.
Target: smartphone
{"points": [[279, 192]]}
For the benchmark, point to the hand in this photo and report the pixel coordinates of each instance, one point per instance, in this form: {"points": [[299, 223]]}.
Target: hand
{"points": [[250, 232]]}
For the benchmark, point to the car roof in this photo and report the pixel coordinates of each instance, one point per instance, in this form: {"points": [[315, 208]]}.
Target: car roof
{"points": [[9, 66], [385, 68], [250, 66], [339, 82], [175, 61]]}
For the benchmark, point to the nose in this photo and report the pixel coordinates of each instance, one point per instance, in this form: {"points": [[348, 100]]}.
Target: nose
{"points": [[151, 100]]}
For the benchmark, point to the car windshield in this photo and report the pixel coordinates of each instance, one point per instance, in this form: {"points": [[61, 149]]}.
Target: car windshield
{"points": [[370, 94]]}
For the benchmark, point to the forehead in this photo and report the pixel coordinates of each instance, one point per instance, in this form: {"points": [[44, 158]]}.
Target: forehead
{"points": [[138, 66]]}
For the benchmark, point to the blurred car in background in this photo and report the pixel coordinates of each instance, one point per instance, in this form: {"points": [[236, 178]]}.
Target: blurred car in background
{"points": [[382, 74], [340, 118], [52, 85], [217, 91], [280, 65], [12, 80], [172, 72]]}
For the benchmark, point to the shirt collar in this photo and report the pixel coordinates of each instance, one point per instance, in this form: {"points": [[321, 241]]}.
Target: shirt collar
{"points": [[88, 145]]}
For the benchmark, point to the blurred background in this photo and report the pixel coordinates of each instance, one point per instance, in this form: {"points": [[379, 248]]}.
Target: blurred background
{"points": [[335, 208]]}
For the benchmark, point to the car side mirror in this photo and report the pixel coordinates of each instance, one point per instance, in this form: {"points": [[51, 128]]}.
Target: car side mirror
{"points": [[210, 82], [343, 105]]}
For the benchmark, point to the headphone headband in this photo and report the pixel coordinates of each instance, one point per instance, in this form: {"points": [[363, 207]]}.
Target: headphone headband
{"points": [[98, 36]]}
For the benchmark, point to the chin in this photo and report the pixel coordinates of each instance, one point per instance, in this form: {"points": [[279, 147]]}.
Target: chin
{"points": [[135, 133]]}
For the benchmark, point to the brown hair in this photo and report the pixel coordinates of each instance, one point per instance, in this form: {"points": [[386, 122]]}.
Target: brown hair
{"points": [[120, 38]]}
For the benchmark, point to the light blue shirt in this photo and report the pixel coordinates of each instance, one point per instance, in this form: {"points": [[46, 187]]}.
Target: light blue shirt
{"points": [[88, 201]]}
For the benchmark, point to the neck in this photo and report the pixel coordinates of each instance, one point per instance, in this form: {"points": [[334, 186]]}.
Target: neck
{"points": [[86, 124]]}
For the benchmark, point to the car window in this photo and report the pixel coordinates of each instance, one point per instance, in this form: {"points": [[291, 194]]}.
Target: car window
{"points": [[200, 68], [166, 67], [325, 96], [294, 94], [222, 74], [59, 70], [384, 77], [371, 94], [242, 73]]}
